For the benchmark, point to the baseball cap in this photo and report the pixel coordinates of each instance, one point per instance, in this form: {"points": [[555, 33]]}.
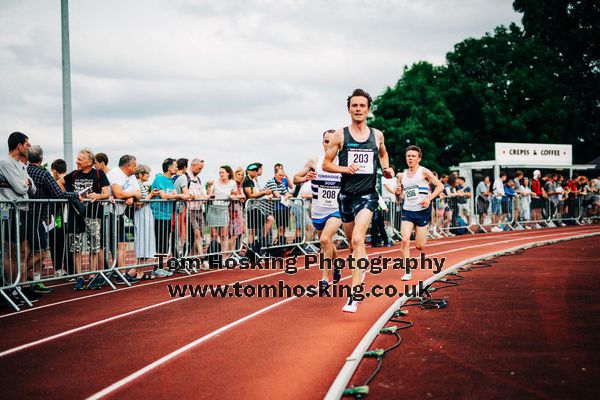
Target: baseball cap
{"points": [[252, 167]]}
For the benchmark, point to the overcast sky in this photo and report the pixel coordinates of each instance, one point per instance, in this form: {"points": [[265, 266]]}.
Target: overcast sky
{"points": [[232, 82]]}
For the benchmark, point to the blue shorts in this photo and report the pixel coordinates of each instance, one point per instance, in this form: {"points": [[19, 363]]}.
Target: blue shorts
{"points": [[319, 223], [419, 218], [496, 206]]}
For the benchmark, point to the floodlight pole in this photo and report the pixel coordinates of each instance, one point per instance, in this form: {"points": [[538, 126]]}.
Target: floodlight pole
{"points": [[66, 85]]}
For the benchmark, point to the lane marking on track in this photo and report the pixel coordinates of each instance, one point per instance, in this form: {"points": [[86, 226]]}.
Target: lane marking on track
{"points": [[351, 363], [105, 320], [185, 348], [436, 242], [124, 381], [156, 305]]}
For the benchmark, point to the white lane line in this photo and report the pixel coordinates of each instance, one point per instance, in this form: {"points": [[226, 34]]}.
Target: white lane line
{"points": [[181, 350], [124, 381], [438, 242], [152, 306], [109, 319]]}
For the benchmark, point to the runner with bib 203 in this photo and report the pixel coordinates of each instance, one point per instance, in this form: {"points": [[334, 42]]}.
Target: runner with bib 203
{"points": [[360, 150], [416, 210]]}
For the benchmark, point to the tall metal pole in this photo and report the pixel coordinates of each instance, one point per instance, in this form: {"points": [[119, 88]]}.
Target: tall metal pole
{"points": [[66, 85]]}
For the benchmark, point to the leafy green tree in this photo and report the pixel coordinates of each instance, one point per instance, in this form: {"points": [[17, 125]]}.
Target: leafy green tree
{"points": [[414, 112], [570, 30]]}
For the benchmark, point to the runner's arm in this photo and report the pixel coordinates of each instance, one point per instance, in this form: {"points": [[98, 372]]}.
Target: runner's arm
{"points": [[384, 158], [335, 145]]}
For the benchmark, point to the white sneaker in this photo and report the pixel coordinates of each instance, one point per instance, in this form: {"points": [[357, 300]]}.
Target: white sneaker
{"points": [[537, 226], [407, 276], [563, 224], [497, 229], [351, 306], [518, 228], [60, 273], [527, 227], [551, 224], [205, 266]]}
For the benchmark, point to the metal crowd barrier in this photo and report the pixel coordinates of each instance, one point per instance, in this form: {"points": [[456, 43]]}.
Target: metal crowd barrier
{"points": [[48, 240], [60, 239], [272, 225]]}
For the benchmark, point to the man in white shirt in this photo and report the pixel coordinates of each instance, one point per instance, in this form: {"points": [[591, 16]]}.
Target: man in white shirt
{"points": [[125, 187], [497, 193]]}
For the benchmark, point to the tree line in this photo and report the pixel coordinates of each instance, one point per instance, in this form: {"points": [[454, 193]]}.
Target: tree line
{"points": [[537, 83]]}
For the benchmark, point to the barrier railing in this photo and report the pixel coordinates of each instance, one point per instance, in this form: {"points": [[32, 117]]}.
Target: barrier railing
{"points": [[272, 225], [48, 240]]}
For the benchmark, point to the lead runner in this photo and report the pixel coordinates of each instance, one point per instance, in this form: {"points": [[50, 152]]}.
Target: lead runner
{"points": [[359, 150]]}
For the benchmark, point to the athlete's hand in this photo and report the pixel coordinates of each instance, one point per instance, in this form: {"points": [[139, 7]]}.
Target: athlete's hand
{"points": [[352, 169], [425, 202], [310, 176], [388, 172]]}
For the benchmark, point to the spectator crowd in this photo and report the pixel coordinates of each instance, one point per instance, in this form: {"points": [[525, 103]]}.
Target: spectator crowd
{"points": [[84, 221]]}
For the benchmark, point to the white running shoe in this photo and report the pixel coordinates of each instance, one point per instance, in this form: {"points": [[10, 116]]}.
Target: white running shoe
{"points": [[518, 228], [497, 229], [407, 276], [205, 266], [60, 273], [538, 226], [527, 227], [551, 224], [563, 224], [351, 306]]}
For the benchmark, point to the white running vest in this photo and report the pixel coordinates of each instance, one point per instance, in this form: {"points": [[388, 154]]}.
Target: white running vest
{"points": [[414, 190], [325, 189]]}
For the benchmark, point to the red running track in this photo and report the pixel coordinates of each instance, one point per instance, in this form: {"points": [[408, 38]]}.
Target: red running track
{"points": [[527, 327], [129, 343]]}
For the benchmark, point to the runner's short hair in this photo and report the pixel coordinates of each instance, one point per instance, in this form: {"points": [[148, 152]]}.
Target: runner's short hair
{"points": [[412, 147], [359, 93]]}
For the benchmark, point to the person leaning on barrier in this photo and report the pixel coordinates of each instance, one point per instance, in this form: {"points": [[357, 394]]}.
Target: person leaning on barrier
{"points": [[465, 193], [62, 259], [125, 188], [537, 198], [259, 217], [181, 182], [236, 211], [282, 210], [163, 211], [15, 185], [483, 194], [196, 209], [42, 217], [144, 242], [222, 191], [92, 185]]}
